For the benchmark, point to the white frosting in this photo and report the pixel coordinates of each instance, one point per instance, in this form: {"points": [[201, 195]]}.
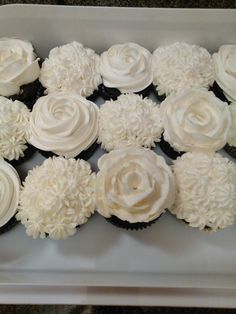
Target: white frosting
{"points": [[126, 67], [181, 66], [206, 190], [9, 192], [129, 121], [134, 184], [14, 121], [18, 65], [56, 197], [232, 132], [71, 67], [225, 68], [195, 120], [64, 123]]}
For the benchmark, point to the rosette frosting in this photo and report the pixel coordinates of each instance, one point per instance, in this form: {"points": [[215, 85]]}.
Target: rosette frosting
{"points": [[134, 184], [131, 120], [71, 67], [206, 190], [126, 67], [18, 65], [225, 69], [64, 123], [14, 122], [57, 197], [180, 66], [195, 120], [232, 131], [9, 192]]}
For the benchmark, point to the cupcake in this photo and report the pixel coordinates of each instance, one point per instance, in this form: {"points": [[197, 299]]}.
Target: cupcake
{"points": [[19, 71], [181, 66], [230, 147], [225, 73], [64, 124], [71, 68], [126, 68], [194, 120], [56, 198], [131, 120], [9, 196], [134, 187], [14, 122], [206, 191]]}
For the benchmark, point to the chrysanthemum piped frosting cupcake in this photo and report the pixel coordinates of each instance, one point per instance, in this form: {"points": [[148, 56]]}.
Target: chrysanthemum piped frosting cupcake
{"points": [[126, 68], [14, 123], [64, 124], [9, 196], [225, 73], [131, 120], [206, 191], [72, 68], [230, 147], [19, 71], [194, 120], [134, 187], [57, 197], [180, 66]]}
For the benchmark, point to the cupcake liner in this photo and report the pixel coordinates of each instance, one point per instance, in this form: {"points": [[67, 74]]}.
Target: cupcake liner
{"points": [[231, 150], [160, 98], [124, 224], [28, 153], [216, 89], [94, 96], [9, 225], [168, 150]]}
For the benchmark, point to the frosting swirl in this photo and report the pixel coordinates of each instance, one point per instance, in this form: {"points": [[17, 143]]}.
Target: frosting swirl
{"points": [[225, 68], [180, 66], [131, 120], [232, 131], [126, 67], [52, 206], [206, 190], [134, 184], [18, 65], [14, 121], [9, 192], [71, 67], [64, 123], [195, 120]]}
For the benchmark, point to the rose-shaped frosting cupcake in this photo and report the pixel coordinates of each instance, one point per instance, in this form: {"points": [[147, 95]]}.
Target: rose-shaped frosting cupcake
{"points": [[225, 70], [126, 67], [131, 120], [63, 123], [71, 67], [134, 185], [180, 66], [206, 190], [9, 192], [18, 65], [195, 120], [57, 197], [232, 131]]}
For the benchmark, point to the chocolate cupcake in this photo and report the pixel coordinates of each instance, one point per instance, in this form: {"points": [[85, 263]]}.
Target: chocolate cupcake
{"points": [[206, 191], [19, 71], [181, 66], [71, 68], [64, 124], [131, 120], [9, 196], [194, 120], [230, 147], [126, 68], [134, 187], [56, 198]]}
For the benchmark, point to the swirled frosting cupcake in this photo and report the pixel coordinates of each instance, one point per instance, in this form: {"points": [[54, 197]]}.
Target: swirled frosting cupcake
{"points": [[63, 123], [134, 187], [131, 120], [9, 195], [230, 147], [57, 197], [206, 191], [195, 120], [225, 71], [180, 66], [71, 68], [126, 68]]}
